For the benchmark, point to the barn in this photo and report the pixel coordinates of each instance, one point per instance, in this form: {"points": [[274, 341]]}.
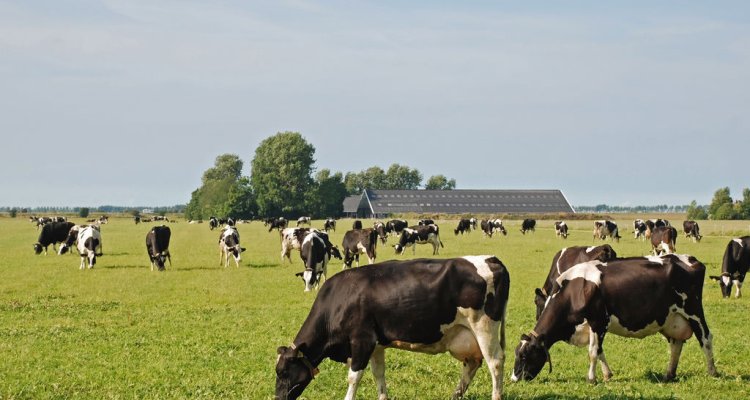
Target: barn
{"points": [[381, 203]]}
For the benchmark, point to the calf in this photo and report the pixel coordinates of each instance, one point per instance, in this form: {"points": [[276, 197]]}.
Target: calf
{"points": [[692, 230], [229, 243], [605, 228], [396, 226], [561, 229], [639, 229], [52, 233], [453, 305], [528, 225], [631, 297], [157, 246], [419, 235], [734, 266], [303, 220], [464, 225], [316, 251], [663, 240], [291, 239], [329, 225], [359, 241], [380, 229]]}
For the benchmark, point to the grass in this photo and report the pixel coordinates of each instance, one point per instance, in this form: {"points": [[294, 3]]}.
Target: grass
{"points": [[199, 330]]}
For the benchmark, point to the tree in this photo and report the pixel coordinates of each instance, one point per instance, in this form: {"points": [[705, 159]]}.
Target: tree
{"points": [[226, 167], [725, 211], [224, 191], [694, 211], [281, 174], [440, 182], [744, 206], [402, 177], [83, 212], [13, 212], [721, 198], [328, 197]]}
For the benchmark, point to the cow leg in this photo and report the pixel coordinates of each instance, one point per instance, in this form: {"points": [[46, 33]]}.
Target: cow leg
{"points": [[467, 375], [377, 363], [353, 379], [606, 371], [703, 335], [738, 291], [83, 262], [221, 255], [493, 352], [362, 350], [152, 265], [596, 353], [675, 349]]}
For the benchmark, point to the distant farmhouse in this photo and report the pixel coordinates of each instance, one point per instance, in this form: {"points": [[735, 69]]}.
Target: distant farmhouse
{"points": [[380, 203]]}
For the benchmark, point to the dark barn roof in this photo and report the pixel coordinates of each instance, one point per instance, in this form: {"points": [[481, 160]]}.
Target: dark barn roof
{"points": [[381, 202]]}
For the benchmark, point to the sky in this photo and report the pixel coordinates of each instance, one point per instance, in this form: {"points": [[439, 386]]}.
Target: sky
{"points": [[114, 102]]}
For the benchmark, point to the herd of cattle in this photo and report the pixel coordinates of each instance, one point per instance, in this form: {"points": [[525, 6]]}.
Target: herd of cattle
{"points": [[458, 305]]}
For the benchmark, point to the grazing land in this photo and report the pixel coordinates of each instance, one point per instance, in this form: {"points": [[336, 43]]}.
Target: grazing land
{"points": [[200, 330]]}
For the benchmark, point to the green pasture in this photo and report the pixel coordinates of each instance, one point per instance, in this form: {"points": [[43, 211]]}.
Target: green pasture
{"points": [[199, 330]]}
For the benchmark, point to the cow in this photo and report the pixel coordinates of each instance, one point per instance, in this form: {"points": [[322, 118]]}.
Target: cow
{"points": [[213, 223], [473, 222], [639, 229], [419, 235], [315, 252], [358, 241], [291, 239], [604, 228], [278, 223], [663, 240], [692, 230], [52, 233], [102, 220], [396, 226], [425, 221], [303, 221], [497, 226], [157, 246], [561, 229], [734, 266], [380, 229], [487, 227], [652, 224], [464, 225], [357, 224], [455, 305], [563, 261], [229, 243], [137, 219], [88, 241], [160, 218], [528, 225], [41, 221], [631, 297], [329, 224]]}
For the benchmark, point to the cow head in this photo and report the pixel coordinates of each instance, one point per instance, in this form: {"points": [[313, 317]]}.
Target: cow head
{"points": [[401, 245], [531, 355], [334, 252], [725, 282], [293, 373], [38, 248]]}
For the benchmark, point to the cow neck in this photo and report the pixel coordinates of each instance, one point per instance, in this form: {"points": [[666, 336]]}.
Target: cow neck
{"points": [[312, 344], [550, 328]]}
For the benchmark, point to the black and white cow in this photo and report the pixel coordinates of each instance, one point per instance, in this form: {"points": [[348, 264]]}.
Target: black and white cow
{"points": [[157, 246], [639, 229], [425, 221], [497, 226], [652, 224], [663, 240], [358, 241], [396, 226], [291, 239], [52, 233], [357, 224], [42, 221], [630, 297], [606, 228], [734, 266], [278, 223], [303, 221], [380, 229], [464, 225], [316, 251], [487, 227], [329, 224], [444, 305], [419, 235], [229, 244], [473, 222], [563, 261], [528, 225], [692, 230], [88, 241], [213, 223], [160, 218], [561, 229], [137, 219]]}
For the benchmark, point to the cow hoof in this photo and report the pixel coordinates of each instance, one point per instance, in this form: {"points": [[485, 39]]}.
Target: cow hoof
{"points": [[669, 378], [607, 378], [591, 381]]}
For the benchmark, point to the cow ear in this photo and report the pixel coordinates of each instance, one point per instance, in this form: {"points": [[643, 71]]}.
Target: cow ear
{"points": [[242, 249], [714, 277], [525, 337]]}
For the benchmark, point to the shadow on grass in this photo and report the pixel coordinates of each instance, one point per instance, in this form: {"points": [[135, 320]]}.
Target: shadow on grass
{"points": [[263, 265], [121, 266]]}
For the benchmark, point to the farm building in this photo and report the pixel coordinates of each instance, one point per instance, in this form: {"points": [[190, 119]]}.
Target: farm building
{"points": [[380, 203]]}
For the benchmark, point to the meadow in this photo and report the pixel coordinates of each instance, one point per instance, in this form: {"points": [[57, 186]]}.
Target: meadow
{"points": [[199, 330]]}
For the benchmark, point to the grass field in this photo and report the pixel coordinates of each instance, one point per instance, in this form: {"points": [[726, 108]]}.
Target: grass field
{"points": [[199, 330]]}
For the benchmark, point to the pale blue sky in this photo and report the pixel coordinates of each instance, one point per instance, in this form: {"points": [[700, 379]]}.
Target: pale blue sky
{"points": [[128, 102]]}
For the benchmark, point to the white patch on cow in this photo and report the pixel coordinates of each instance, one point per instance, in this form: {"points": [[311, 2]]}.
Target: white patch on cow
{"points": [[483, 269], [586, 270], [655, 259], [665, 248], [590, 249], [409, 231], [725, 279], [739, 242], [685, 259], [581, 335], [562, 252]]}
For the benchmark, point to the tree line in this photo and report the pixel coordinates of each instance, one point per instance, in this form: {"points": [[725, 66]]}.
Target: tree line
{"points": [[722, 206], [284, 182]]}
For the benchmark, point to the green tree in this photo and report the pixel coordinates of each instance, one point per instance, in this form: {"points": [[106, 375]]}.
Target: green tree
{"points": [[13, 212], [226, 167], [440, 182], [281, 174], [83, 212], [240, 200], [402, 177], [744, 205], [328, 197], [370, 178], [224, 192], [725, 211], [695, 212], [721, 198]]}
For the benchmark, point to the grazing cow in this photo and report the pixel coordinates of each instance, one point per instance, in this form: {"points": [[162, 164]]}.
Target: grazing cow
{"points": [[102, 220], [487, 227], [561, 229], [316, 251], [605, 228], [497, 226], [451, 305], [464, 225], [229, 243], [663, 240], [425, 221], [278, 223], [473, 222], [639, 229], [329, 225], [52, 233], [357, 224], [88, 240], [419, 235], [160, 218], [41, 221], [291, 239], [652, 224], [137, 219], [692, 230], [528, 225], [145, 219], [213, 223], [303, 220], [157, 246], [563, 261], [380, 229], [359, 241], [396, 226], [734, 266], [631, 297]]}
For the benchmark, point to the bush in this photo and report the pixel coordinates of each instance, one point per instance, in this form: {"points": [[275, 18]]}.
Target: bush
{"points": [[13, 212], [83, 212]]}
